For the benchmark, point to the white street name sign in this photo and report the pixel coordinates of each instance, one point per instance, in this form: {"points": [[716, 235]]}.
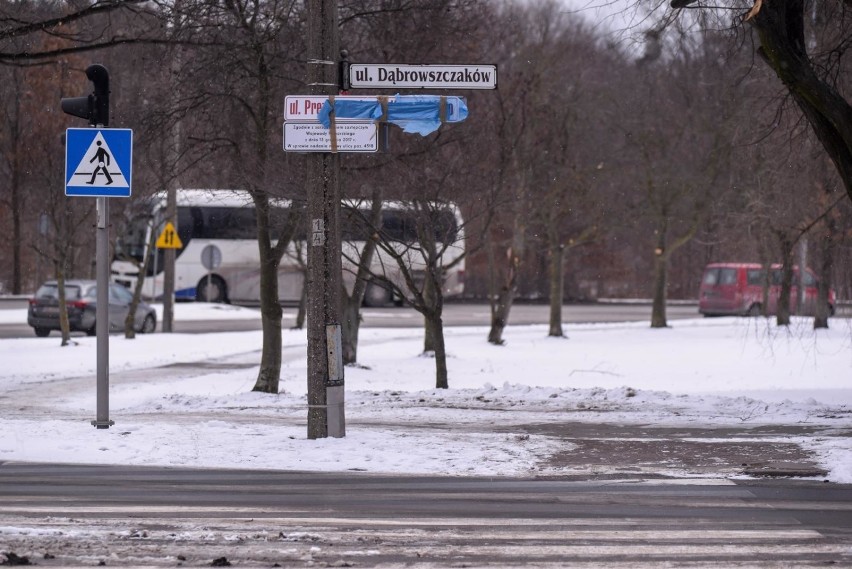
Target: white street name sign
{"points": [[313, 137], [390, 76]]}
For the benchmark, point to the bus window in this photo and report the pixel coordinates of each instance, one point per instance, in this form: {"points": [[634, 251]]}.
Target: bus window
{"points": [[229, 223]]}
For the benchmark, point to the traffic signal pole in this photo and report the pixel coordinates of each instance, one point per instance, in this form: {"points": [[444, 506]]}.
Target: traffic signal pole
{"points": [[102, 420], [325, 368], [95, 108]]}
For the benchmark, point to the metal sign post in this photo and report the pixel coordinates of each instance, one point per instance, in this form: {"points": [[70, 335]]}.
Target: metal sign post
{"points": [[102, 420], [211, 259], [169, 241]]}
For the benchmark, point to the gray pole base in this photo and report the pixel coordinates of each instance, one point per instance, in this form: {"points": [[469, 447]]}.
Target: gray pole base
{"points": [[103, 424], [335, 411]]}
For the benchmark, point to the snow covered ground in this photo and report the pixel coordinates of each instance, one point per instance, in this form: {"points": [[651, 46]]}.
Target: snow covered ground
{"points": [[186, 399]]}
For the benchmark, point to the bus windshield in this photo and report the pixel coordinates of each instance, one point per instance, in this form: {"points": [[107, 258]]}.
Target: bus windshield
{"points": [[133, 242]]}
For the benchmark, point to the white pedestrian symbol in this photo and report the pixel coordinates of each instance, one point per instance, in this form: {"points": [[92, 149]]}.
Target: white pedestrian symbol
{"points": [[98, 167], [103, 158]]}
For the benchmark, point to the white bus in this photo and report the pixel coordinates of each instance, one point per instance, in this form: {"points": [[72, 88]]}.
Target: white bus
{"points": [[226, 219]]}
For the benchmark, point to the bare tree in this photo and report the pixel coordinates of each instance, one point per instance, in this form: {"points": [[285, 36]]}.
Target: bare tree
{"points": [[33, 31], [236, 117], [681, 159], [13, 164], [805, 48], [416, 251], [361, 258], [142, 267], [70, 222], [527, 62]]}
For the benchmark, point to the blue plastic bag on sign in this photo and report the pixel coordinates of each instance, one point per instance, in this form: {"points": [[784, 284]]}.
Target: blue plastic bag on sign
{"points": [[349, 109], [420, 114]]}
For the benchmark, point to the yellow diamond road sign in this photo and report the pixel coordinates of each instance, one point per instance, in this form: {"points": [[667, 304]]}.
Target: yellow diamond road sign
{"points": [[169, 239]]}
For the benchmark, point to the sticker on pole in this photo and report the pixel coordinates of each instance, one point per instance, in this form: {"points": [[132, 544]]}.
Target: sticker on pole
{"points": [[98, 162]]}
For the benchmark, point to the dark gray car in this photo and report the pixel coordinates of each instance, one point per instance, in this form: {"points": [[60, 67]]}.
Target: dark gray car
{"points": [[81, 300]]}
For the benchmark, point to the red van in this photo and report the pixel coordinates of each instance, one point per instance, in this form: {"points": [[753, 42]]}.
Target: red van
{"points": [[737, 289]]}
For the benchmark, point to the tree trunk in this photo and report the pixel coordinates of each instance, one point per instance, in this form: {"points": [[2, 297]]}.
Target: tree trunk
{"points": [[436, 324], [270, 316], [16, 201], [557, 288], [661, 265], [658, 308], [150, 251], [270, 306], [500, 315], [16, 228], [826, 264], [662, 255], [429, 332], [765, 287], [64, 325], [350, 327], [302, 311], [502, 305], [433, 303], [783, 314]]}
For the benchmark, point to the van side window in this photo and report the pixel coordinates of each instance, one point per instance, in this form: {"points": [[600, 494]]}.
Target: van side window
{"points": [[809, 279], [755, 277], [728, 277]]}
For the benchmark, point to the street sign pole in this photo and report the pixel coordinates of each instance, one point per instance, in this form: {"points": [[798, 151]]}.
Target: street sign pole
{"points": [[102, 420], [155, 254], [169, 266], [325, 378]]}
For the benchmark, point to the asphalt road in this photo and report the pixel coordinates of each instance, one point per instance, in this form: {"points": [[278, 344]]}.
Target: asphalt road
{"points": [[401, 317], [85, 515]]}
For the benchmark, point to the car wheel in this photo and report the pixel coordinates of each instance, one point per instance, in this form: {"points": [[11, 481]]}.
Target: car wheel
{"points": [[42, 332], [149, 324], [215, 292], [753, 310], [92, 331], [377, 295]]}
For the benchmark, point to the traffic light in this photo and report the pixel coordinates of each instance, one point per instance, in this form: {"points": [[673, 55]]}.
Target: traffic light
{"points": [[93, 107]]}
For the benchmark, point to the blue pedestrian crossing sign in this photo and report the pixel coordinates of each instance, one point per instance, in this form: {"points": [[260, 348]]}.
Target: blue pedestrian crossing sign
{"points": [[98, 162]]}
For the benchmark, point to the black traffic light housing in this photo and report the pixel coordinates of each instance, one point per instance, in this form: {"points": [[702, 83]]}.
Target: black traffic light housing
{"points": [[94, 107]]}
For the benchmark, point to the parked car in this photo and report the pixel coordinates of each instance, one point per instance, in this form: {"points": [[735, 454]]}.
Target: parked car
{"points": [[81, 300], [737, 289]]}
